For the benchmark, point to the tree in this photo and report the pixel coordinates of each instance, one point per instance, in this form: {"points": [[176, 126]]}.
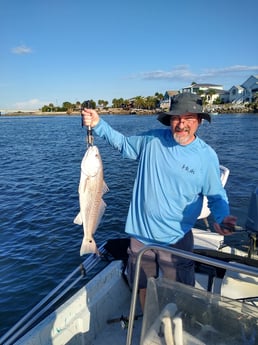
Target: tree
{"points": [[102, 103], [67, 105], [159, 96], [45, 109], [78, 105], [139, 102], [150, 102], [117, 103]]}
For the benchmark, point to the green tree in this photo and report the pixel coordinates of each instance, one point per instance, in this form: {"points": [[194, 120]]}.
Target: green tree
{"points": [[102, 103], [159, 96], [118, 103], [139, 102], [45, 109], [150, 102], [67, 105], [78, 105]]}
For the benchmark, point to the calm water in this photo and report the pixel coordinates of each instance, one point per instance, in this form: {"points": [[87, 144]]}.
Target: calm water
{"points": [[39, 176]]}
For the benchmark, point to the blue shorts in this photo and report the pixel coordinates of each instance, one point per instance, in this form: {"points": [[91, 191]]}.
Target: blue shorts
{"points": [[155, 263]]}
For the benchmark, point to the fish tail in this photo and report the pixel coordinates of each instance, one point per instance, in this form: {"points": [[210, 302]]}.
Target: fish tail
{"points": [[88, 246]]}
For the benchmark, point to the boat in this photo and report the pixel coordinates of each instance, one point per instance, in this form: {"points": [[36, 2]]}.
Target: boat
{"points": [[222, 307], [212, 111]]}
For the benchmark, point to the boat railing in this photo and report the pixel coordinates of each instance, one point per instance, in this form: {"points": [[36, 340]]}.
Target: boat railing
{"points": [[235, 267]]}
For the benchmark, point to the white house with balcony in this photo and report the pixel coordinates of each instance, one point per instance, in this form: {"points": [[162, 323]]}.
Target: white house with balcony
{"points": [[198, 88], [210, 91], [236, 94]]}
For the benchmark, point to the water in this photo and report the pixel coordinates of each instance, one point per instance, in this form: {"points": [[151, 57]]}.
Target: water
{"points": [[39, 176]]}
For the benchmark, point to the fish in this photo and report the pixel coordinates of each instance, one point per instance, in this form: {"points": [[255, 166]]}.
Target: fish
{"points": [[91, 189]]}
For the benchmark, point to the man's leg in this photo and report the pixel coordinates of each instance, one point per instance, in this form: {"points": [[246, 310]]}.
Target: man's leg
{"points": [[175, 267], [148, 268]]}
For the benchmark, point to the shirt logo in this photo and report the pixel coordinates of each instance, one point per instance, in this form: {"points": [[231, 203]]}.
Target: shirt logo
{"points": [[187, 169]]}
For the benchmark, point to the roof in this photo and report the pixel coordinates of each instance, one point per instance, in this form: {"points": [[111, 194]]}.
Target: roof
{"points": [[204, 85], [222, 92], [239, 87], [171, 93]]}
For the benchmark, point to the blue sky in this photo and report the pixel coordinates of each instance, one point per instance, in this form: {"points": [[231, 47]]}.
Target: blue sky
{"points": [[54, 51]]}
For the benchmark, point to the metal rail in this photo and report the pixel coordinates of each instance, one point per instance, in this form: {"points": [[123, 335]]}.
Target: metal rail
{"points": [[187, 255]]}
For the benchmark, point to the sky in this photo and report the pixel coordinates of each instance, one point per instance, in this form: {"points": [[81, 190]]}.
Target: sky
{"points": [[55, 51]]}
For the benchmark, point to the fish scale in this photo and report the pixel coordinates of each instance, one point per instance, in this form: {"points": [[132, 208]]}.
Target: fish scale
{"points": [[92, 187]]}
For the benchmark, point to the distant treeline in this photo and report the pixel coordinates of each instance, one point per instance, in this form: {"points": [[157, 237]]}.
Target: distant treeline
{"points": [[139, 102], [150, 102]]}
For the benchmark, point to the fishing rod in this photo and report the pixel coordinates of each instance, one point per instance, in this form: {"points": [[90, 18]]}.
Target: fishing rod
{"points": [[233, 228], [88, 105]]}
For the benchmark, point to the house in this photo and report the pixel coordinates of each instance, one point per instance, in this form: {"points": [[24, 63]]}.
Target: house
{"points": [[165, 102], [223, 95], [251, 87], [210, 92], [201, 88], [244, 92], [236, 94]]}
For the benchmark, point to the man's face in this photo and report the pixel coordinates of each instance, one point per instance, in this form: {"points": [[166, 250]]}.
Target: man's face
{"points": [[184, 127]]}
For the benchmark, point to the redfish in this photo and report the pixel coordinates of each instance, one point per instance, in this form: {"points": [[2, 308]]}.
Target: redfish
{"points": [[92, 187]]}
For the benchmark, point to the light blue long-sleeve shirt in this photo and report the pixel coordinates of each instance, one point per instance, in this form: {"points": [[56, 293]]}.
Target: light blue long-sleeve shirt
{"points": [[170, 183]]}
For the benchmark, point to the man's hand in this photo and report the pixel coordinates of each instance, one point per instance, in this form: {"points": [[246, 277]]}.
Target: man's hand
{"points": [[89, 117], [227, 227]]}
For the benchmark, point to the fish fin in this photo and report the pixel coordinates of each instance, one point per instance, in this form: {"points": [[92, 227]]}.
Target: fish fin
{"points": [[78, 219], [105, 188], [88, 246]]}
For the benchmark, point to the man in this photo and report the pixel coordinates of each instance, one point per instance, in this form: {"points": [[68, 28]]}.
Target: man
{"points": [[176, 169]]}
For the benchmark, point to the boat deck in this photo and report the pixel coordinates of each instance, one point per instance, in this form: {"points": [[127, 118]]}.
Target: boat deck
{"points": [[114, 334], [96, 314]]}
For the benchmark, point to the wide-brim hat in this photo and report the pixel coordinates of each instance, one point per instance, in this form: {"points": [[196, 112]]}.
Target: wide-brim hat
{"points": [[182, 104]]}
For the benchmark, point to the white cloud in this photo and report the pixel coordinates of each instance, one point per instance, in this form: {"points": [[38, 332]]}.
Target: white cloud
{"points": [[22, 49], [183, 73], [32, 104], [234, 69]]}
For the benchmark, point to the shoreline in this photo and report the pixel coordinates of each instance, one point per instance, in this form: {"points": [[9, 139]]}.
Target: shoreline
{"points": [[111, 111], [119, 111]]}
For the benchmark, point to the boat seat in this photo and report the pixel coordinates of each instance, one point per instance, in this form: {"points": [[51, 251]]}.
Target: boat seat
{"points": [[205, 212], [240, 286]]}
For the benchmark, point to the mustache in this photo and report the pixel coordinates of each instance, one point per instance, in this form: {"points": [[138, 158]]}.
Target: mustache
{"points": [[185, 129]]}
